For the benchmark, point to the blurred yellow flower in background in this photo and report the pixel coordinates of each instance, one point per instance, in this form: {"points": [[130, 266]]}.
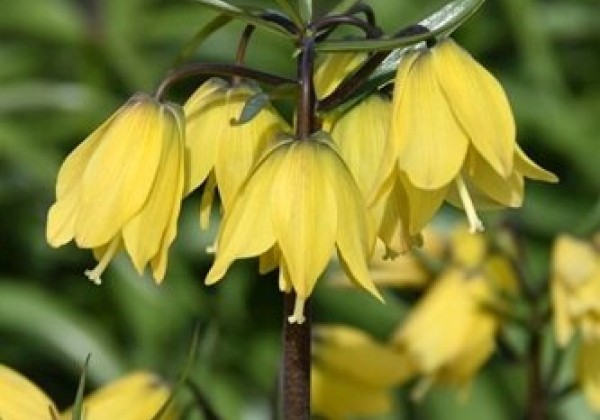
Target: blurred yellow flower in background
{"points": [[302, 199], [334, 68], [218, 150], [454, 137], [122, 187], [575, 287], [352, 374], [136, 396], [451, 331]]}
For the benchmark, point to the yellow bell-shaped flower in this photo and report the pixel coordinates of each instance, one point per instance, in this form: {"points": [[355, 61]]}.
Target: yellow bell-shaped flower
{"points": [[454, 136], [220, 151], [362, 138], [333, 69], [352, 374], [302, 199], [122, 187], [451, 332]]}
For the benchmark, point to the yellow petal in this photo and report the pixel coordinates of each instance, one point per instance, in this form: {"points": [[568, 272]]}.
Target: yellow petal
{"points": [[202, 131], [394, 218], [355, 241], [362, 140], [269, 260], [563, 325], [121, 172], [422, 204], [352, 353], [508, 191], [240, 146], [246, 230], [304, 214], [573, 260], [137, 396], [60, 227], [208, 197], [588, 372], [333, 69], [432, 145], [337, 398], [143, 234], [22, 400], [530, 169], [479, 104], [468, 249]]}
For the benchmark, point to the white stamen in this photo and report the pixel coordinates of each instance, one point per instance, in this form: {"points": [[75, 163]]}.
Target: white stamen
{"points": [[94, 275], [298, 315], [474, 222]]}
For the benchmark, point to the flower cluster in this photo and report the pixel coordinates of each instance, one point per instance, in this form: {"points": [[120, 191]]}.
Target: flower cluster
{"points": [[445, 339], [378, 170]]}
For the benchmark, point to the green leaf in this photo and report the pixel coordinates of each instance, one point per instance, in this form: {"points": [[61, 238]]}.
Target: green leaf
{"points": [[287, 7], [193, 351], [306, 10], [252, 107], [29, 311], [194, 43], [78, 404], [441, 23], [343, 7], [244, 15]]}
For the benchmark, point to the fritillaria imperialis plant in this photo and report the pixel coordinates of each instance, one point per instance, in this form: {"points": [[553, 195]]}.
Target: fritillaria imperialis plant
{"points": [[385, 128]]}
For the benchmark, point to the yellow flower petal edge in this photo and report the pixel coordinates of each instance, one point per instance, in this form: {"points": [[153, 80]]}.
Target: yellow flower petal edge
{"points": [[20, 399], [122, 187], [302, 198]]}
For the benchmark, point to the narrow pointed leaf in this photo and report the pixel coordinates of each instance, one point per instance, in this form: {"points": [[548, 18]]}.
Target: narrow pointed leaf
{"points": [[441, 23], [244, 15], [207, 30], [78, 404]]}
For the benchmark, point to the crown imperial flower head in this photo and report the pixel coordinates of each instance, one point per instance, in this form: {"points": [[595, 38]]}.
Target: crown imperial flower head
{"points": [[454, 136], [302, 199], [220, 151], [122, 187]]}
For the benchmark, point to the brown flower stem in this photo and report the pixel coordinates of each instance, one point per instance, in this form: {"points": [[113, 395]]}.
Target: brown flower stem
{"points": [[306, 113], [240, 55], [205, 70], [295, 383]]}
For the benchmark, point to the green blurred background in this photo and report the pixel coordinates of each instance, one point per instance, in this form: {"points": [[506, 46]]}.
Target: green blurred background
{"points": [[65, 65]]}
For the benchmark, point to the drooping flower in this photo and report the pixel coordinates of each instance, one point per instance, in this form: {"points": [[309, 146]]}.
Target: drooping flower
{"points": [[219, 151], [137, 396], [451, 332], [301, 199], [122, 187], [352, 374], [575, 289], [362, 137], [454, 137]]}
